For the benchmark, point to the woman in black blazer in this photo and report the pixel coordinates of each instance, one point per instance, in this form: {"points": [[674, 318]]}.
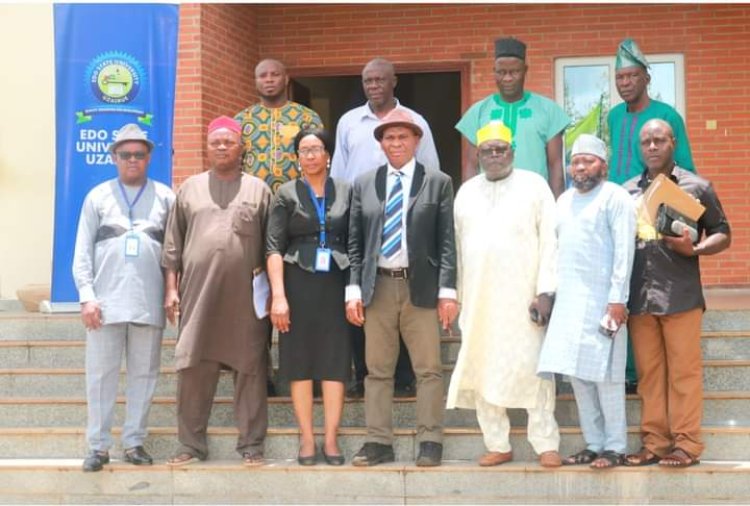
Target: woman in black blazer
{"points": [[308, 270]]}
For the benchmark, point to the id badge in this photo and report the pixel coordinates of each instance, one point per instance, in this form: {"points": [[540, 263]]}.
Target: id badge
{"points": [[132, 246], [323, 260]]}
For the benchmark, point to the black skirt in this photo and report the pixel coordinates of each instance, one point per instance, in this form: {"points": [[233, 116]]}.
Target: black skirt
{"points": [[317, 345]]}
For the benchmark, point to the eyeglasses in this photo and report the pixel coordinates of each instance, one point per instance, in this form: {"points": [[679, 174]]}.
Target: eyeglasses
{"points": [[127, 155], [494, 150], [315, 151]]}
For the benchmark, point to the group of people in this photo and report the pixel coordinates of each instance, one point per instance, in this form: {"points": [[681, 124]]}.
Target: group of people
{"points": [[366, 255]]}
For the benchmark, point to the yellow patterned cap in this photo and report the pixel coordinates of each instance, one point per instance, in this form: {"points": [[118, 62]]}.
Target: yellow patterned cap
{"points": [[494, 131]]}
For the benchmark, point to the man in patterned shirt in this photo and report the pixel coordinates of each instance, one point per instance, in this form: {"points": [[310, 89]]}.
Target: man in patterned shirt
{"points": [[268, 128]]}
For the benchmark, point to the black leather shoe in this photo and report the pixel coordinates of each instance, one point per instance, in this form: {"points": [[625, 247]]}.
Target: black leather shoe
{"points": [[430, 454], [309, 460], [373, 454], [356, 391], [95, 461], [138, 456], [408, 390], [333, 460]]}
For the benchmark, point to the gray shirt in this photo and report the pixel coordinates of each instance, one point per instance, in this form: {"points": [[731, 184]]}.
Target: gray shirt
{"points": [[128, 288]]}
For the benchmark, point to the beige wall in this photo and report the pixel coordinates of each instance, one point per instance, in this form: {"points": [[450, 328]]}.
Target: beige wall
{"points": [[27, 134]]}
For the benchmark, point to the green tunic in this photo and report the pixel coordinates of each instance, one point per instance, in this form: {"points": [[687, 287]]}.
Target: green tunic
{"points": [[534, 120], [626, 160]]}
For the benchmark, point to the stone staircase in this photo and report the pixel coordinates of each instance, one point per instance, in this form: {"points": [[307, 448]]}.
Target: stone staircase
{"points": [[43, 417]]}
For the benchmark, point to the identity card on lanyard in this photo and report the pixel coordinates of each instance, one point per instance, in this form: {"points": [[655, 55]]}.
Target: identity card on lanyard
{"points": [[132, 242], [322, 254]]}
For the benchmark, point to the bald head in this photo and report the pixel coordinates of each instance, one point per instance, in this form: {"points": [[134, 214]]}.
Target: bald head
{"points": [[378, 82], [657, 146], [271, 81]]}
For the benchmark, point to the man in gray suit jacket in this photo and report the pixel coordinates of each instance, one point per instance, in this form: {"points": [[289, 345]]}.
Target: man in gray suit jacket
{"points": [[403, 271]]}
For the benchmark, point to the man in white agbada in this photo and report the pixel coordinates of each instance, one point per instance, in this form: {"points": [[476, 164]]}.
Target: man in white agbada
{"points": [[505, 238], [596, 240]]}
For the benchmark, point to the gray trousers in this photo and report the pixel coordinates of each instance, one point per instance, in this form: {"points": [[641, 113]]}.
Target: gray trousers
{"points": [[601, 412], [104, 349]]}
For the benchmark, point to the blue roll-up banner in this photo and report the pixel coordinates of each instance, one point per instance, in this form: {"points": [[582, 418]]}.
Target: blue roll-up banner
{"points": [[114, 64]]}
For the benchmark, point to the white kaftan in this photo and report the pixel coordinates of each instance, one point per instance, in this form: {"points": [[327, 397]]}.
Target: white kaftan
{"points": [[505, 238], [596, 239]]}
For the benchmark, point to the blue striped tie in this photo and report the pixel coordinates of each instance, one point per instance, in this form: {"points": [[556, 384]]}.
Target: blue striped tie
{"points": [[391, 243]]}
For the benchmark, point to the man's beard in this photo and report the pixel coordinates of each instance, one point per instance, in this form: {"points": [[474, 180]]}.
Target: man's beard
{"points": [[588, 183]]}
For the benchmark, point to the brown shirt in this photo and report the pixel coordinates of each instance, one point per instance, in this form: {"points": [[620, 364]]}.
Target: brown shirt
{"points": [[215, 237], [663, 281]]}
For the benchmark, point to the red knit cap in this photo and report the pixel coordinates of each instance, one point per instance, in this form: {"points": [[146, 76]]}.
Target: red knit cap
{"points": [[224, 122]]}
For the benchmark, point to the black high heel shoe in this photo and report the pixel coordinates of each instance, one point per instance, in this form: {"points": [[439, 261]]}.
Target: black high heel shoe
{"points": [[333, 460]]}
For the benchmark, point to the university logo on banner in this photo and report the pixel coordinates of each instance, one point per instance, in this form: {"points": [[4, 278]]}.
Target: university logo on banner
{"points": [[114, 64]]}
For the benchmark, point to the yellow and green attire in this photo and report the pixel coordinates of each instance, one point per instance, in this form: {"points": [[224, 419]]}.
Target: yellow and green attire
{"points": [[268, 137]]}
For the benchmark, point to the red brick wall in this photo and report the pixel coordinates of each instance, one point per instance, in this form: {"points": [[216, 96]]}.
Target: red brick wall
{"points": [[216, 57], [715, 40]]}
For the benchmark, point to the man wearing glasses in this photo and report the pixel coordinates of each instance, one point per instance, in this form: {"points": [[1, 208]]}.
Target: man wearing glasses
{"points": [[116, 268], [537, 122]]}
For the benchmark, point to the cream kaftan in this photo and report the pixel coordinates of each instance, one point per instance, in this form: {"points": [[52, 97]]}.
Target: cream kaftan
{"points": [[505, 237]]}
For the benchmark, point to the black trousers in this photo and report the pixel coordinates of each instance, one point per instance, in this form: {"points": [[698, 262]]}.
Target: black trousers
{"points": [[404, 374]]}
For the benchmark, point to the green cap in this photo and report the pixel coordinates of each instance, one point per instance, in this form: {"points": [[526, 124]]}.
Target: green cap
{"points": [[629, 55]]}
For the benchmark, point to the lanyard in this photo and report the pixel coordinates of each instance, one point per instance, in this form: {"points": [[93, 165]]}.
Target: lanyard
{"points": [[135, 200], [320, 209]]}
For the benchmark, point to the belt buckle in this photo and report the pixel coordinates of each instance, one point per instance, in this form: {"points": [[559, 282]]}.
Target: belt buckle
{"points": [[400, 273]]}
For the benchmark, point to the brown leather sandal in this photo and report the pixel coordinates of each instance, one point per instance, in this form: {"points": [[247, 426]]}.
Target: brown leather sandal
{"points": [[644, 457], [678, 458]]}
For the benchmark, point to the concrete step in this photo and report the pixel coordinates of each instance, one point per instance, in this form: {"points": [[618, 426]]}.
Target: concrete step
{"points": [[719, 375], [17, 354], [720, 408], [20, 325], [461, 443], [59, 481]]}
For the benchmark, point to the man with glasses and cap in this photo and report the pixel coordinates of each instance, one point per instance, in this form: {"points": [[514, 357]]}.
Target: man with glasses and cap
{"points": [[116, 268], [586, 336], [625, 121], [505, 242], [214, 244], [537, 122]]}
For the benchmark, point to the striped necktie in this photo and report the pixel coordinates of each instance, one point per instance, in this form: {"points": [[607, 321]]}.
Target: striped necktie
{"points": [[391, 243]]}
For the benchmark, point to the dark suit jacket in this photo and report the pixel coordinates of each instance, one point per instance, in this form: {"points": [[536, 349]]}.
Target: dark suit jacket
{"points": [[429, 233], [293, 228]]}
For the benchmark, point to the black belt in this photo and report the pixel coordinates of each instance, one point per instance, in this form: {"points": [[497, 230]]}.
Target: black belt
{"points": [[402, 273]]}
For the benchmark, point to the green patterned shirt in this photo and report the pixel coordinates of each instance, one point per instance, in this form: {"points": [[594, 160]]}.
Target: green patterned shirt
{"points": [[268, 137]]}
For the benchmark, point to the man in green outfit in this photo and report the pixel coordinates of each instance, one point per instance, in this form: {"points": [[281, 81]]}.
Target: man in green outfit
{"points": [[626, 119], [537, 122]]}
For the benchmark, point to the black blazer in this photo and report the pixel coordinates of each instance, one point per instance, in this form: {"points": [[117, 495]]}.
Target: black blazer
{"points": [[293, 229], [429, 233]]}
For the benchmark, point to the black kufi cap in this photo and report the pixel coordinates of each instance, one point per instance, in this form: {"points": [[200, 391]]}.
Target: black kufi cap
{"points": [[510, 47]]}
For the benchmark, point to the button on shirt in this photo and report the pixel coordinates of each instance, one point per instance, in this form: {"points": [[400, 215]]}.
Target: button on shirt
{"points": [[357, 151], [663, 281], [401, 259]]}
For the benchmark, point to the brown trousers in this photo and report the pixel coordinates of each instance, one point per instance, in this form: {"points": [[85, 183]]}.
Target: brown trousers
{"points": [[670, 380], [389, 313], [196, 387]]}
